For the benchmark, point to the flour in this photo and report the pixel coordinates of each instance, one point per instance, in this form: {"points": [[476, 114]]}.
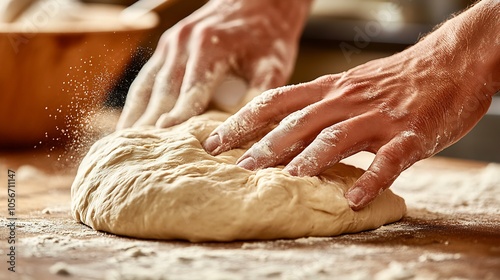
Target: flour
{"points": [[60, 268], [262, 149], [311, 240], [266, 98], [214, 39], [89, 254], [438, 257]]}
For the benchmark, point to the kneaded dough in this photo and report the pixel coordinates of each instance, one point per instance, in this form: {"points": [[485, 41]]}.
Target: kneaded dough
{"points": [[160, 184]]}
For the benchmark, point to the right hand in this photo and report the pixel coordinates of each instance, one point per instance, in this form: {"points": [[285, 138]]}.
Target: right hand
{"points": [[402, 108], [256, 40]]}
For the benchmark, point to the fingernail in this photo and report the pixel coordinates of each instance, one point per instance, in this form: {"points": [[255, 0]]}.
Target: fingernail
{"points": [[355, 197], [212, 143], [248, 163]]}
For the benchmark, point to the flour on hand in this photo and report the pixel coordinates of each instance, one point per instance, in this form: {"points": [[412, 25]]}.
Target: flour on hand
{"points": [[161, 184]]}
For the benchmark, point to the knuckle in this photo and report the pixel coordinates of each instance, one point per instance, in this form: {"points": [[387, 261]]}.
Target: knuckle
{"points": [[327, 80], [185, 31], [345, 87], [269, 76], [325, 83], [270, 100], [294, 120], [264, 151], [232, 128], [412, 146], [164, 39], [265, 99], [197, 108], [330, 136], [354, 88], [293, 150], [180, 33], [390, 162], [343, 84], [160, 88]]}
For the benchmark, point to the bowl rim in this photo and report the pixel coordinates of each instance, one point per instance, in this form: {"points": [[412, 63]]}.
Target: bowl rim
{"points": [[147, 21]]}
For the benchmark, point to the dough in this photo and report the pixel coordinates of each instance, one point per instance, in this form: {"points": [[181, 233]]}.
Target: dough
{"points": [[160, 184]]}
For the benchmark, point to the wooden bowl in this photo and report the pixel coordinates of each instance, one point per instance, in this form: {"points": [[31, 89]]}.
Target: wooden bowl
{"points": [[56, 71]]}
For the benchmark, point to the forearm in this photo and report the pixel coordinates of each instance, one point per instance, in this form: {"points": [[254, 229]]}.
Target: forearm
{"points": [[294, 12], [489, 43], [480, 29], [470, 43]]}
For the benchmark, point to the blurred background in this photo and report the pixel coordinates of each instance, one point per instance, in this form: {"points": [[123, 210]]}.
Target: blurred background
{"points": [[339, 35]]}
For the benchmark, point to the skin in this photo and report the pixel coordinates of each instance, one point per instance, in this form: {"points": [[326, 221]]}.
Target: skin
{"points": [[224, 37], [402, 108]]}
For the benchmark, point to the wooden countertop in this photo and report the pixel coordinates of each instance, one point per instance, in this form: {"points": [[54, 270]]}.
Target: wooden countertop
{"points": [[438, 239]]}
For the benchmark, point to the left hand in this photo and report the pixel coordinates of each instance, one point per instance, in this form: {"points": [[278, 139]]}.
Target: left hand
{"points": [[256, 40]]}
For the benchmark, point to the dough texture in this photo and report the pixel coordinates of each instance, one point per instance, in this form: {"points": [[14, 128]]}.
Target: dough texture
{"points": [[160, 184]]}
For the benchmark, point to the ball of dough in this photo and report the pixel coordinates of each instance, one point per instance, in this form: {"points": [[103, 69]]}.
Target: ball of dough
{"points": [[161, 184]]}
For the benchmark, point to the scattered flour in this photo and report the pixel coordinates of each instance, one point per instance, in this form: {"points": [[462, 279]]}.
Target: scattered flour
{"points": [[396, 271], [451, 192]]}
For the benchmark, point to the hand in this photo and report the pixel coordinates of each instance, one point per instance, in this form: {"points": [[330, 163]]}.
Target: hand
{"points": [[403, 108], [256, 40]]}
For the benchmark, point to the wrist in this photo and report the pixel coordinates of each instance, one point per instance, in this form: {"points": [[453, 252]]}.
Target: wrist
{"points": [[469, 44]]}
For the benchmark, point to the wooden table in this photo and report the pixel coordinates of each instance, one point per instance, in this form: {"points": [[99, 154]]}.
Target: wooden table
{"points": [[433, 241]]}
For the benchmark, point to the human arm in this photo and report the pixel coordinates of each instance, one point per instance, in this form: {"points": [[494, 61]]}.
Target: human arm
{"points": [[402, 108]]}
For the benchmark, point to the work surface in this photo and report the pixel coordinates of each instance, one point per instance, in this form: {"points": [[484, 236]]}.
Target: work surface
{"points": [[451, 231]]}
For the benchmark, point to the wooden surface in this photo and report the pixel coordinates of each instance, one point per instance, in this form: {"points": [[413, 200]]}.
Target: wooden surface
{"points": [[426, 244]]}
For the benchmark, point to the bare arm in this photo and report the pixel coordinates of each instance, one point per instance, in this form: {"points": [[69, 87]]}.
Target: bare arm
{"points": [[403, 108]]}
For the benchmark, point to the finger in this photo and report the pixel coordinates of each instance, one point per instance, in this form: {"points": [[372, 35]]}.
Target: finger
{"points": [[267, 108], [205, 68], [139, 93], [198, 86], [292, 135], [166, 87], [389, 162], [333, 144]]}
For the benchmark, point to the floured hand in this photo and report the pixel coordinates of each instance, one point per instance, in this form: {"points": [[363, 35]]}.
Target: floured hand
{"points": [[403, 108], [256, 40]]}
